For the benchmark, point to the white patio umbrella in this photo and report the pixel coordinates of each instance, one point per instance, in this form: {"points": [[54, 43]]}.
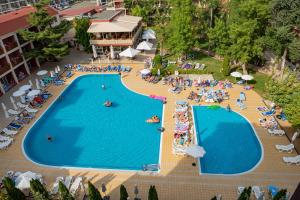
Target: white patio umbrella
{"points": [[33, 93], [148, 36], [247, 77], [42, 73], [23, 180], [13, 103], [195, 151], [25, 87], [158, 72], [144, 46], [145, 71], [129, 52], [37, 83], [296, 134], [5, 110], [236, 74], [150, 31], [18, 93]]}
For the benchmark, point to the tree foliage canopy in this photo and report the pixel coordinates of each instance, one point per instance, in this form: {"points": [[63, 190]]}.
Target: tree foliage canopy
{"points": [[81, 34], [94, 193], [64, 193]]}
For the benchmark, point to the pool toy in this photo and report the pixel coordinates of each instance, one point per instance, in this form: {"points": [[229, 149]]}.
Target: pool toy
{"points": [[214, 107]]}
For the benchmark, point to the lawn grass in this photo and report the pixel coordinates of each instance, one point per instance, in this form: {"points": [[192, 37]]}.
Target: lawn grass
{"points": [[213, 67]]}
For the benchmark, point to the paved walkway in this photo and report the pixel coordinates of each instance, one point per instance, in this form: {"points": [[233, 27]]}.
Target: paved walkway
{"points": [[178, 179]]}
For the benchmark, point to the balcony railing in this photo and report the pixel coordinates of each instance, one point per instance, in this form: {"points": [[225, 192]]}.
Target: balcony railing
{"points": [[114, 42], [1, 50], [10, 45], [16, 60], [4, 67]]}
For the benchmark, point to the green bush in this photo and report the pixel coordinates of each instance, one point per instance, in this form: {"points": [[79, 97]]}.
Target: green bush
{"points": [[157, 60], [226, 66], [123, 193], [280, 195]]}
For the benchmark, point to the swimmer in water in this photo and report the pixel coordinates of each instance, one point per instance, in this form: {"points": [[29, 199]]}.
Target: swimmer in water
{"points": [[49, 139], [103, 87]]}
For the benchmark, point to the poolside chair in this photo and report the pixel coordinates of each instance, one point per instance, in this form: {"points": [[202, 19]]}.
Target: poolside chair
{"points": [[127, 69], [292, 160], [5, 138], [277, 132], [285, 148], [69, 74], [56, 184], [5, 144], [21, 105], [13, 112], [270, 112], [14, 126], [258, 193], [75, 185], [59, 82], [151, 167], [68, 181], [31, 110], [9, 132]]}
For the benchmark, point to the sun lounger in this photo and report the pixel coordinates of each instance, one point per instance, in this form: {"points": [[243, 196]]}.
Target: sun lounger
{"points": [[270, 112], [69, 74], [68, 181], [21, 105], [151, 167], [13, 112], [59, 82], [241, 104], [292, 160], [5, 138], [31, 110], [75, 185], [285, 148], [56, 184], [258, 192], [14, 126], [9, 132], [278, 132], [5, 144]]}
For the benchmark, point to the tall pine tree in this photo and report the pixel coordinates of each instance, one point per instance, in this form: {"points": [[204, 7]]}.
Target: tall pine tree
{"points": [[94, 193], [47, 36], [180, 29]]}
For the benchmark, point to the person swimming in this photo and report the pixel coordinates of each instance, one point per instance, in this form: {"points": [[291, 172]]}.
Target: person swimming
{"points": [[228, 108], [103, 86], [49, 138], [108, 103], [154, 119]]}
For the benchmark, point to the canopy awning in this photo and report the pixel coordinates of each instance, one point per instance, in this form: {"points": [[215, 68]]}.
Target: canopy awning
{"points": [[129, 52], [145, 46]]}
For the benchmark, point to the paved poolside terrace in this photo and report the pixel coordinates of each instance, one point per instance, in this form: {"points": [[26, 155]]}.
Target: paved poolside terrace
{"points": [[178, 179]]}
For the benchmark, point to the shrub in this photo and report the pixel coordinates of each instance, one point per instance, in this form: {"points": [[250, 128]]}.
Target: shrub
{"points": [[226, 66], [280, 195], [123, 193], [157, 60], [94, 194]]}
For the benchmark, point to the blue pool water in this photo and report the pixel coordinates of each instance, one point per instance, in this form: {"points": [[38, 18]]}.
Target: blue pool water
{"points": [[87, 134], [230, 142]]}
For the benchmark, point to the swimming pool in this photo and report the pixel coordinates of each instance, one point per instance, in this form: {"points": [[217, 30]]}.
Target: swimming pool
{"points": [[87, 134], [231, 144]]}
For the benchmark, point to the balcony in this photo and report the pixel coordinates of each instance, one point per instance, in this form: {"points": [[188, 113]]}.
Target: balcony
{"points": [[4, 66], [10, 43], [113, 42], [15, 58]]}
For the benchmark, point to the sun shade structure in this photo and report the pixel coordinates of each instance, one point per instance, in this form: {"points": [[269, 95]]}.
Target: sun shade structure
{"points": [[42, 73], [195, 151], [18, 93], [5, 110], [148, 36], [247, 77], [23, 180], [25, 87], [236, 74], [145, 71], [145, 46], [129, 52], [33, 93]]}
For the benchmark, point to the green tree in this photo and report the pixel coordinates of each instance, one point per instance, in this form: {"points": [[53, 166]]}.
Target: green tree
{"points": [[281, 195], [286, 93], [152, 194], [226, 66], [64, 193], [180, 29], [81, 34], [285, 17], [38, 190], [123, 193], [47, 36], [12, 193], [219, 37], [94, 193], [247, 22]]}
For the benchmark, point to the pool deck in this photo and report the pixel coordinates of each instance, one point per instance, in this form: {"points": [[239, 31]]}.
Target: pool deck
{"points": [[178, 179]]}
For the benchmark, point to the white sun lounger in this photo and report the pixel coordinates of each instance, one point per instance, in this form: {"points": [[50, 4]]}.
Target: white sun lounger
{"points": [[9, 132], [5, 138], [21, 105], [5, 144], [56, 184], [13, 112], [292, 160], [31, 110], [75, 185], [285, 148], [278, 132], [258, 193], [68, 181]]}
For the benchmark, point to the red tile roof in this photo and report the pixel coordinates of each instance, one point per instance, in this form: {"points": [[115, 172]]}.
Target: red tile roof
{"points": [[77, 11], [15, 20]]}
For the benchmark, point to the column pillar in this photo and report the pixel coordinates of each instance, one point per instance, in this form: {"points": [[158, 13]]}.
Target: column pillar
{"points": [[112, 53], [94, 51], [1, 88]]}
